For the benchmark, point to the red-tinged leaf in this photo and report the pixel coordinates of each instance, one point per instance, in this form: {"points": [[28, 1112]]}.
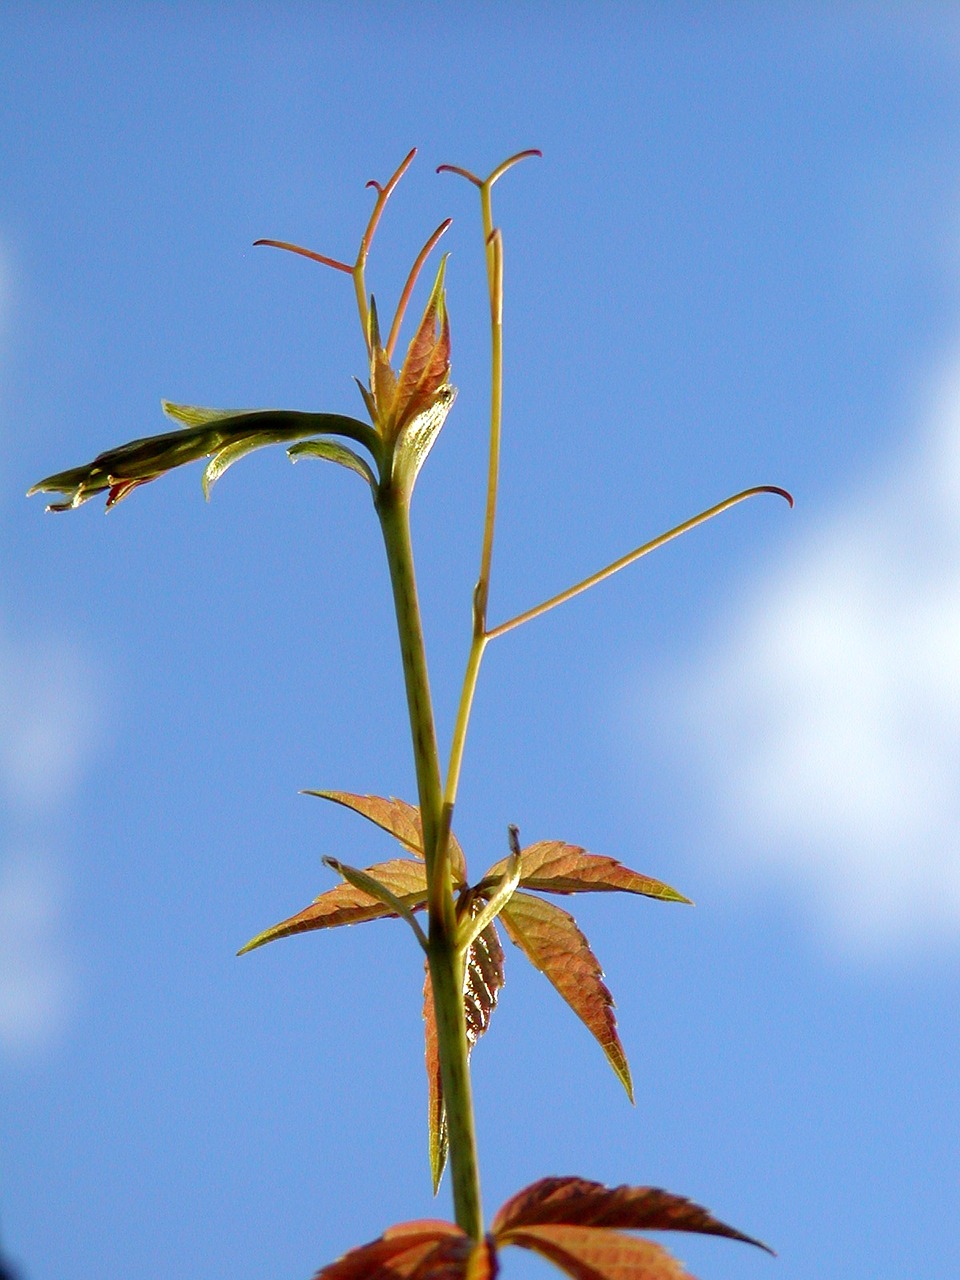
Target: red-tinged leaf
{"points": [[552, 942], [437, 1136], [482, 981], [396, 1255], [591, 1253], [399, 819], [578, 1202], [347, 904], [550, 866]]}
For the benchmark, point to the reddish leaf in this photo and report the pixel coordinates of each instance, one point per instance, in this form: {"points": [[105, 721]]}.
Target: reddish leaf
{"points": [[483, 978], [577, 1202], [426, 1250], [437, 1137], [348, 905], [397, 1255], [591, 1253], [399, 819], [552, 942], [550, 866]]}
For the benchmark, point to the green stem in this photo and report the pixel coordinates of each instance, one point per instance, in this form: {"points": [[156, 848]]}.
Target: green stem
{"points": [[445, 955]]}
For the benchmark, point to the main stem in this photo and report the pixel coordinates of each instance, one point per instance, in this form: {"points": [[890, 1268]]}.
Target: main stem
{"points": [[445, 957]]}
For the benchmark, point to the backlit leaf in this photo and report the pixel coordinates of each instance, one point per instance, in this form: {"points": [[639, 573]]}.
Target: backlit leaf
{"points": [[330, 451], [552, 942], [347, 904], [591, 1253], [550, 866], [579, 1202], [397, 1255], [437, 1136], [400, 819]]}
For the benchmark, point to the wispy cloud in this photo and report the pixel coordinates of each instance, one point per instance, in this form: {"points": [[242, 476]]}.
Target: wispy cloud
{"points": [[829, 714], [36, 981], [47, 733]]}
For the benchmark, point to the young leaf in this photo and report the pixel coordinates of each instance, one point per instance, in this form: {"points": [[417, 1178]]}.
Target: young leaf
{"points": [[330, 451], [347, 904], [550, 866], [399, 819], [581, 1203], [400, 1252], [437, 1135], [118, 471], [591, 1253], [552, 942]]}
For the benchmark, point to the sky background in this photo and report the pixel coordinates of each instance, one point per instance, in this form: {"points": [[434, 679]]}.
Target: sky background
{"points": [[737, 262]]}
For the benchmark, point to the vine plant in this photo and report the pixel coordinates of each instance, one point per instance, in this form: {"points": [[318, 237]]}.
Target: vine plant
{"points": [[577, 1224]]}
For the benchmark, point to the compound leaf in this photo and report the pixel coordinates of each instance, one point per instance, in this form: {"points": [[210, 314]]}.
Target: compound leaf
{"points": [[550, 866], [399, 819], [346, 904], [552, 942]]}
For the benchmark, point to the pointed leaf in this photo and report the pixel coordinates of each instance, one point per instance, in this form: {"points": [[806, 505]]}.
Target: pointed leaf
{"points": [[347, 904], [550, 866], [591, 1253], [482, 981], [426, 365], [396, 1255], [437, 1134], [579, 1202], [399, 819], [118, 471], [332, 452], [552, 942]]}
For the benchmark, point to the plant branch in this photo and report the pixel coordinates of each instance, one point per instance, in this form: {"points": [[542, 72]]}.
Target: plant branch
{"points": [[631, 556]]}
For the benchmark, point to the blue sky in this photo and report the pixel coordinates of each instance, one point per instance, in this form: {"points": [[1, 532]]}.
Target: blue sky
{"points": [[737, 262]]}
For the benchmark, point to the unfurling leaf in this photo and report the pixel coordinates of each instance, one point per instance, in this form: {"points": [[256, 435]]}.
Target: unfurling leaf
{"points": [[550, 866], [552, 942], [482, 981], [578, 1202], [369, 884], [399, 819], [209, 431], [347, 904]]}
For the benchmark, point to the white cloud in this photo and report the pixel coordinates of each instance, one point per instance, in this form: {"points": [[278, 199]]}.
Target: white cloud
{"points": [[36, 985], [829, 716], [47, 714]]}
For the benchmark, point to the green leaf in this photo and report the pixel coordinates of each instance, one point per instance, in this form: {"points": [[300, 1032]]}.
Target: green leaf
{"points": [[399, 819], [552, 942], [118, 471], [550, 866], [332, 452], [347, 904], [419, 435], [227, 456]]}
